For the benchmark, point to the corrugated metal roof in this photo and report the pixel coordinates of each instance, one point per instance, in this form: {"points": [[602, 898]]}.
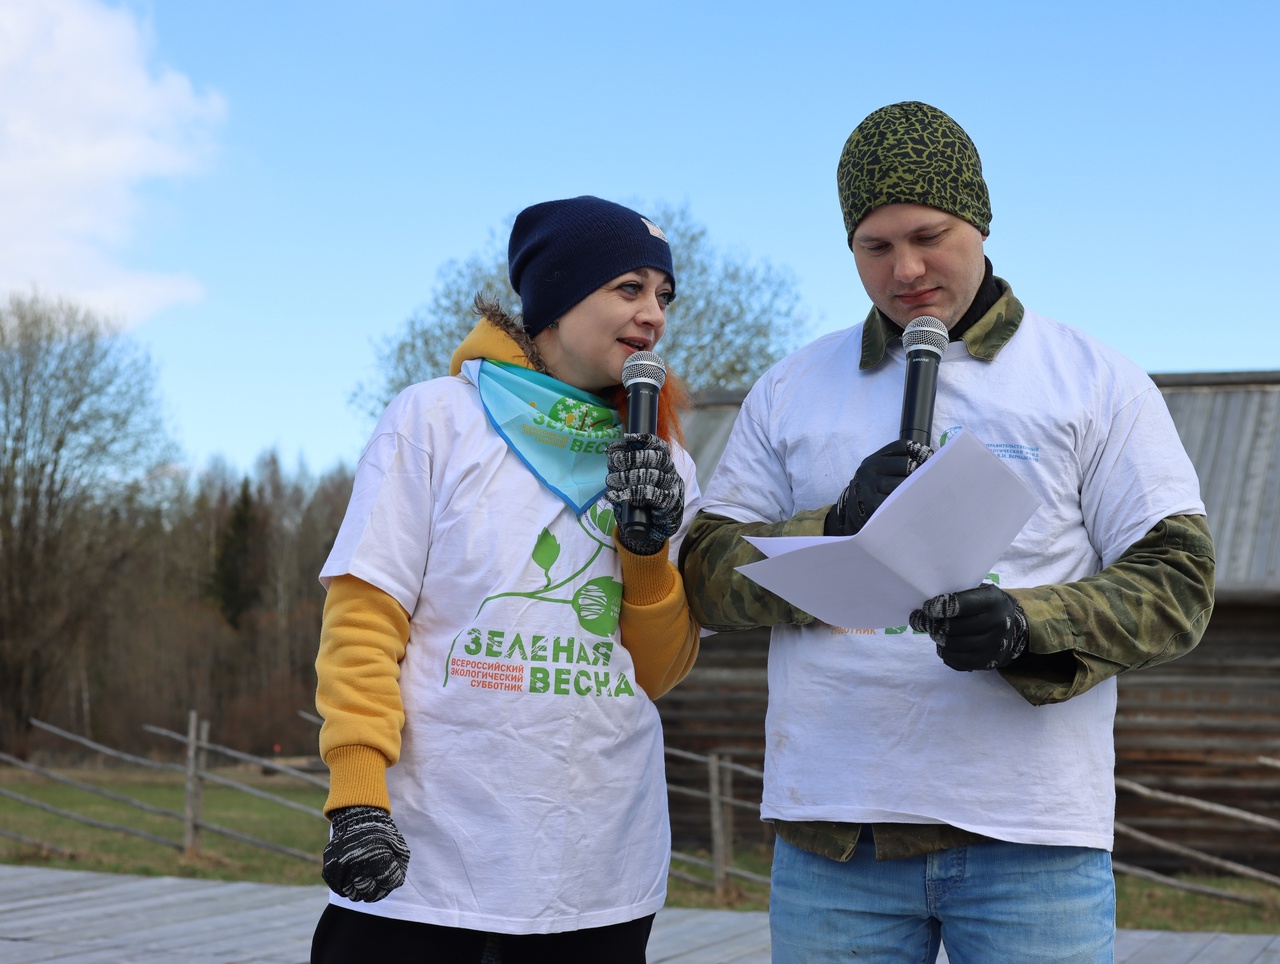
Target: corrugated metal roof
{"points": [[1230, 425]]}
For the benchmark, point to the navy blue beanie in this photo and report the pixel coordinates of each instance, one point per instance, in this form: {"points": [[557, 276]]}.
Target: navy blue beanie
{"points": [[561, 251]]}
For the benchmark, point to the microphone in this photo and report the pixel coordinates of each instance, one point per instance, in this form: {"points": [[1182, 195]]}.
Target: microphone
{"points": [[925, 339], [642, 377]]}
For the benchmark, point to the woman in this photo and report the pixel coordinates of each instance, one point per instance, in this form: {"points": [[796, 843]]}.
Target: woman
{"points": [[491, 649]]}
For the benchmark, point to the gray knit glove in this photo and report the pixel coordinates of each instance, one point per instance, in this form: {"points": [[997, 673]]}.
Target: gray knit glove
{"points": [[366, 857], [642, 473], [879, 474], [981, 628]]}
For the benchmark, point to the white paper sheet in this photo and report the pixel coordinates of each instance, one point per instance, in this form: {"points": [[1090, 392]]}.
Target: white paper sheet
{"points": [[940, 531]]}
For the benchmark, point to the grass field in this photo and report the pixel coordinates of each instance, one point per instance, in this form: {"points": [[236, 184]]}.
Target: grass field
{"points": [[1142, 904]]}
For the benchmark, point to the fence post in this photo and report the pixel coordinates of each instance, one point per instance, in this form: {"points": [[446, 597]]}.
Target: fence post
{"points": [[202, 764], [726, 809], [191, 810], [719, 852]]}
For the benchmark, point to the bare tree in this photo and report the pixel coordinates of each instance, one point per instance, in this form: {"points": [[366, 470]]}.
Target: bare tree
{"points": [[732, 318], [160, 643], [80, 432]]}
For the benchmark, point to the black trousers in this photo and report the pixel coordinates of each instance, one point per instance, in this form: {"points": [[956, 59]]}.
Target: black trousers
{"points": [[346, 936]]}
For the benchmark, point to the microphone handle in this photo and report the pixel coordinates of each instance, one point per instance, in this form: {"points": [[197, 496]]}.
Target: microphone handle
{"points": [[918, 393], [642, 419]]}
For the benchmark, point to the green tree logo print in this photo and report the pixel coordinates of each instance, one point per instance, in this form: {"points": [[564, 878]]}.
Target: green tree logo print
{"points": [[545, 553], [596, 603]]}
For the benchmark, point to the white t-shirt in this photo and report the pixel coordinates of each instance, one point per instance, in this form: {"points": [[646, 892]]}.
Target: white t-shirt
{"points": [[531, 787], [866, 724]]}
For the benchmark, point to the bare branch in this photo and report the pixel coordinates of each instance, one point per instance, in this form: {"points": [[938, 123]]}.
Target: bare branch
{"points": [[732, 317]]}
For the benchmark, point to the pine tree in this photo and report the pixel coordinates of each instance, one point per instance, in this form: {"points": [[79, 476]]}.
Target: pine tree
{"points": [[238, 571]]}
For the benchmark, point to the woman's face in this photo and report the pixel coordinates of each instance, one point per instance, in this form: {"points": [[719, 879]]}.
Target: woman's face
{"points": [[597, 335]]}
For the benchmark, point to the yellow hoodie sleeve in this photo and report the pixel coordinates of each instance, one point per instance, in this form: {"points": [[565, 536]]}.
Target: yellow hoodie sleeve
{"points": [[657, 628], [363, 635]]}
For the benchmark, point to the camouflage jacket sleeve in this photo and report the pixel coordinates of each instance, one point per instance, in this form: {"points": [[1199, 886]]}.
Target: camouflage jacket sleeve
{"points": [[720, 597], [1150, 606]]}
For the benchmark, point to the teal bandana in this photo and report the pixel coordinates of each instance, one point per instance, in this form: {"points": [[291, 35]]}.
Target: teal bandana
{"points": [[558, 431]]}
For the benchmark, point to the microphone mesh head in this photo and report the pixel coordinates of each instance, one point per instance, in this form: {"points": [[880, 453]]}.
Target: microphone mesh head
{"points": [[644, 366], [925, 332]]}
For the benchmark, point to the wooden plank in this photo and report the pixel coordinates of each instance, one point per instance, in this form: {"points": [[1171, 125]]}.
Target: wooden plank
{"points": [[1166, 948], [685, 936], [160, 920], [1187, 948], [1240, 947]]}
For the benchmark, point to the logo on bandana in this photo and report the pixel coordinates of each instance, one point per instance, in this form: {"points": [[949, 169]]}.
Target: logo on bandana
{"points": [[582, 416]]}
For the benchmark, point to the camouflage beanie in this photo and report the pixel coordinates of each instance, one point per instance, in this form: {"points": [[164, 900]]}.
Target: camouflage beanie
{"points": [[911, 153]]}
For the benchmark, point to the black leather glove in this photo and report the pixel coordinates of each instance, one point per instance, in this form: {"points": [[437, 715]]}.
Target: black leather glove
{"points": [[981, 628], [641, 473], [879, 474], [366, 857]]}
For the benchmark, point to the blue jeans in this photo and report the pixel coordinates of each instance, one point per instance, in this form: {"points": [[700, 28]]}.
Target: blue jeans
{"points": [[991, 903]]}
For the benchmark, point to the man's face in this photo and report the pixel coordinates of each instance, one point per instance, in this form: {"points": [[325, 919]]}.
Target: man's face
{"points": [[916, 260]]}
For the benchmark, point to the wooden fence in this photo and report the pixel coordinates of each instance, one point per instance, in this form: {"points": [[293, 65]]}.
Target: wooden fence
{"points": [[1228, 867], [721, 805], [196, 774], [720, 797]]}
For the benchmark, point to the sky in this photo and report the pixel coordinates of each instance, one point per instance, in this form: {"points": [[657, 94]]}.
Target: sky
{"points": [[261, 193]]}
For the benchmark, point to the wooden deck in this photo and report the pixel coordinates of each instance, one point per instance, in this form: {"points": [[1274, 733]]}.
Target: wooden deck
{"points": [[78, 917]]}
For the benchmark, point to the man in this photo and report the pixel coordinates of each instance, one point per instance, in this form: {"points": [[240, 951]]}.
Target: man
{"points": [[952, 780]]}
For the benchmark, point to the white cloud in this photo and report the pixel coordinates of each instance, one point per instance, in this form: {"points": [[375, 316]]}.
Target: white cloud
{"points": [[84, 119]]}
